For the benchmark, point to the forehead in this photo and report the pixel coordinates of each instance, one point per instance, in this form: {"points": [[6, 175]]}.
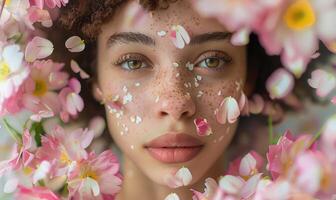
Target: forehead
{"points": [[126, 19]]}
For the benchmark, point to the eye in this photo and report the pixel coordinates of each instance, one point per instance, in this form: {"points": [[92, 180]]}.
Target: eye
{"points": [[214, 60], [132, 62]]}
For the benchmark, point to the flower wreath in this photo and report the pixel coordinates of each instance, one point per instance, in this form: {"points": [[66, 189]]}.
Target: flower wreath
{"points": [[56, 164]]}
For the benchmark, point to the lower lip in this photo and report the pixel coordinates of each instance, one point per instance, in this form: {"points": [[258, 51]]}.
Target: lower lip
{"points": [[174, 155]]}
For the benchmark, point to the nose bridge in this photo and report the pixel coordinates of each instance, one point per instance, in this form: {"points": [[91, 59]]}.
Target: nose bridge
{"points": [[174, 98]]}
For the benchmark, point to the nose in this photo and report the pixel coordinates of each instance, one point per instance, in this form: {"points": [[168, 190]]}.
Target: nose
{"points": [[175, 103]]}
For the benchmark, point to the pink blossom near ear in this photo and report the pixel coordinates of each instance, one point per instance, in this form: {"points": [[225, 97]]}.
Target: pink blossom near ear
{"points": [[202, 127], [21, 156], [38, 48], [36, 14], [228, 111], [76, 68], [41, 88], [296, 39], [280, 84], [35, 193], [209, 190], [181, 178], [179, 36], [324, 82], [95, 176], [13, 73], [256, 104], [71, 102], [62, 150], [75, 44]]}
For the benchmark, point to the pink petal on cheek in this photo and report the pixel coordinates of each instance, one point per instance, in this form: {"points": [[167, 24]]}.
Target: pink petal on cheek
{"points": [[202, 126]]}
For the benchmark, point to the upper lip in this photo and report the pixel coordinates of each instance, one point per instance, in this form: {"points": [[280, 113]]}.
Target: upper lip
{"points": [[174, 140]]}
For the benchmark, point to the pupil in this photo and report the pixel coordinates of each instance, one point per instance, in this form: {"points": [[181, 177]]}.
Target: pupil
{"points": [[212, 62], [134, 64]]}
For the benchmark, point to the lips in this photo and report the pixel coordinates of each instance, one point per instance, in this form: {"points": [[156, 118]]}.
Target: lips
{"points": [[174, 148]]}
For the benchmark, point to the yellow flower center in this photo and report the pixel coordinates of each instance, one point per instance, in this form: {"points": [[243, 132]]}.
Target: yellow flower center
{"points": [[27, 170], [64, 158], [87, 172], [4, 71], [7, 2], [299, 15], [40, 87]]}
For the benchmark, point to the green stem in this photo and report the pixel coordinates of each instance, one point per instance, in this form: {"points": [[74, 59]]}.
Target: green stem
{"points": [[13, 132]]}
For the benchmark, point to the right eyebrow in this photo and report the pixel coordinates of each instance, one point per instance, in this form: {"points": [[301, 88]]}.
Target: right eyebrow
{"points": [[130, 37]]}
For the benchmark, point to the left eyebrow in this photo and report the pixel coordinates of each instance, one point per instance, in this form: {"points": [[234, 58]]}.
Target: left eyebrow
{"points": [[211, 36]]}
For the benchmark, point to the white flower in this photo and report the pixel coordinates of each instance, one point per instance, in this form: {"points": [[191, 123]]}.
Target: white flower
{"points": [[12, 71]]}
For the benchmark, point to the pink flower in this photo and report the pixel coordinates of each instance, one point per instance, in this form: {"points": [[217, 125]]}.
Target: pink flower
{"points": [[21, 156], [233, 14], [36, 14], [41, 86], [293, 28], [202, 126], [62, 150], [95, 176], [235, 187], [35, 193], [71, 102]]}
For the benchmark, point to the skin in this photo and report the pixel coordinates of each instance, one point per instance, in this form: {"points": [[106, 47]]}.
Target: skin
{"points": [[175, 110]]}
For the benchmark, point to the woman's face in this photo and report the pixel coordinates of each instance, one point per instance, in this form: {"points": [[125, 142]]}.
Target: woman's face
{"points": [[147, 75]]}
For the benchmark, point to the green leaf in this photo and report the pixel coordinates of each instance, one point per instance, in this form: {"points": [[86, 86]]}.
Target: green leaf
{"points": [[37, 129]]}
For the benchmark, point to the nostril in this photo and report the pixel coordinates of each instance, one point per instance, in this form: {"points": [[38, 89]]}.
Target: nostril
{"points": [[162, 113]]}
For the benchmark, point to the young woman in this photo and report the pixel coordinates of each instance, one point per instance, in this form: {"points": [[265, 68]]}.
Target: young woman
{"points": [[153, 88]]}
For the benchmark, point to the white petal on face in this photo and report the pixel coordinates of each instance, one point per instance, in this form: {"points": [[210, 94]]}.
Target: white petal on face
{"points": [[228, 111], [185, 175], [172, 196]]}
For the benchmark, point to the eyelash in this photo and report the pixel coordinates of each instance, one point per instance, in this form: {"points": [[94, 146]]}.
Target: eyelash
{"points": [[137, 57]]}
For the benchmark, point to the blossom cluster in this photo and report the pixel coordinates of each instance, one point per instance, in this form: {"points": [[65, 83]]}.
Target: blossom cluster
{"points": [[297, 168]]}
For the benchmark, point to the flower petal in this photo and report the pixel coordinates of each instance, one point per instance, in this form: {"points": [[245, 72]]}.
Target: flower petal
{"points": [[202, 127], [280, 84], [38, 48], [172, 196], [76, 68], [75, 44], [228, 111]]}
